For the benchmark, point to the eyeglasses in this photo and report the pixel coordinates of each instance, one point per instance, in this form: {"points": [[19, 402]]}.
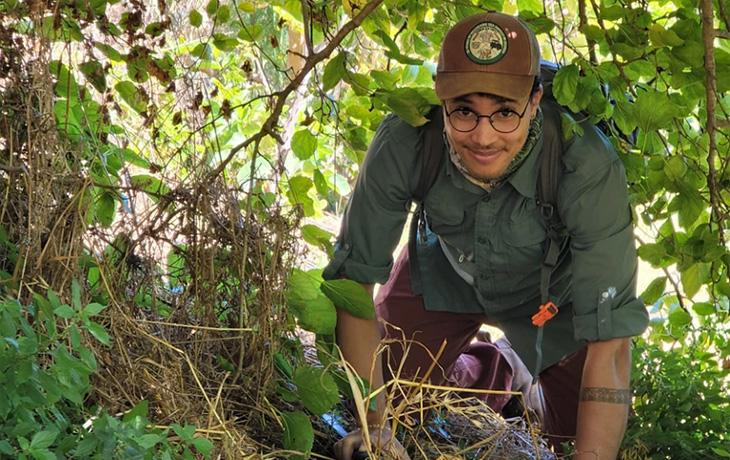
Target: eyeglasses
{"points": [[503, 120]]}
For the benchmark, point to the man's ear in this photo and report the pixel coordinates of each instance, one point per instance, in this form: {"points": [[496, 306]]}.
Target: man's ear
{"points": [[537, 96]]}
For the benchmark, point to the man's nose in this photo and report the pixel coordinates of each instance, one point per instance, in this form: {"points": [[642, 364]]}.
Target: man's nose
{"points": [[484, 133]]}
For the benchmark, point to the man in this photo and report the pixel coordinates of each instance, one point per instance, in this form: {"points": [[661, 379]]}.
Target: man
{"points": [[478, 258]]}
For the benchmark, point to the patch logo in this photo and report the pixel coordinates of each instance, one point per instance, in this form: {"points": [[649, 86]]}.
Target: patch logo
{"points": [[486, 43]]}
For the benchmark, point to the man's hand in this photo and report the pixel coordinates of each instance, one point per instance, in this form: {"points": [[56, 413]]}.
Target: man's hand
{"points": [[382, 440]]}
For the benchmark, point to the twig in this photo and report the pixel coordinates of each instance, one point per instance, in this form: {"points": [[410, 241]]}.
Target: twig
{"points": [[268, 128], [708, 37]]}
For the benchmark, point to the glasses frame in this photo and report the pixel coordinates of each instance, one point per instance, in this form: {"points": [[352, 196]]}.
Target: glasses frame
{"points": [[488, 117]]}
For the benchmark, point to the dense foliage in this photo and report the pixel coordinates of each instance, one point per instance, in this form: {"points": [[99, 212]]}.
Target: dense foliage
{"points": [[201, 132]]}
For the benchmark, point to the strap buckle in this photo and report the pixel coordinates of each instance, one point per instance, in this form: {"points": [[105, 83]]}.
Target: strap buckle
{"points": [[546, 312]]}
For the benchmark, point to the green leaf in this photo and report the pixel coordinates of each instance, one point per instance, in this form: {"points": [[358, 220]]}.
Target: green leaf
{"points": [[318, 237], [141, 409], [317, 389], [148, 441], [105, 208], [721, 452], [653, 110], [334, 71], [298, 433], [204, 446], [186, 432], [43, 454], [320, 183], [299, 187], [654, 291], [703, 308], [135, 159], [98, 331], [64, 311], [661, 37], [43, 439], [75, 295], [152, 186], [350, 296], [133, 96], [408, 104], [111, 53], [534, 6], [653, 253], [196, 19], [676, 168], [303, 144], [679, 318], [94, 73], [694, 277], [211, 7], [565, 84], [93, 309], [316, 315], [690, 205]]}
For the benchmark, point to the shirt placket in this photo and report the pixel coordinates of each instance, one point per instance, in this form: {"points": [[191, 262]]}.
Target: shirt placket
{"points": [[484, 227]]}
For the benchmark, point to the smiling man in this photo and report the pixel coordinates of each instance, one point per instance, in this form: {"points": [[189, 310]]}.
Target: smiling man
{"points": [[477, 257]]}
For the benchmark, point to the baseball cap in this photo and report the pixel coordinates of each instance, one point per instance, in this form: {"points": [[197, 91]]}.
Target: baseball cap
{"points": [[490, 53]]}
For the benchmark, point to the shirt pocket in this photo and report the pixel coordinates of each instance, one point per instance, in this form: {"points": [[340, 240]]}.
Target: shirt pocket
{"points": [[445, 219], [525, 238]]}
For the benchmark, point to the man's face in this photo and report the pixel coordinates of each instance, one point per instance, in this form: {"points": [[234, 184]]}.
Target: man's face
{"points": [[485, 152]]}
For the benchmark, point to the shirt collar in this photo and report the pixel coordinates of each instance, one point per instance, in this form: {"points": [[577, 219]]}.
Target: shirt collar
{"points": [[524, 179]]}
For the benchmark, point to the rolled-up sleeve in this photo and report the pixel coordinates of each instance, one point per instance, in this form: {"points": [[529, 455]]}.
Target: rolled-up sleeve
{"points": [[373, 221], [598, 217]]}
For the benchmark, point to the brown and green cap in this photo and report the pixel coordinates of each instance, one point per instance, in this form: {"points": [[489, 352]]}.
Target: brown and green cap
{"points": [[490, 53]]}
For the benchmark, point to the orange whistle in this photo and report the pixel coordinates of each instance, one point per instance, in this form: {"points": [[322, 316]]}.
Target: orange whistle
{"points": [[547, 312]]}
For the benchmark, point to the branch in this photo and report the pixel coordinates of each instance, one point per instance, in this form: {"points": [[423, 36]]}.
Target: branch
{"points": [[269, 126], [708, 37], [722, 33], [583, 23]]}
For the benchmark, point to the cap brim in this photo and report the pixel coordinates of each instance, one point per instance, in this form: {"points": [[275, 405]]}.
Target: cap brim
{"points": [[454, 84]]}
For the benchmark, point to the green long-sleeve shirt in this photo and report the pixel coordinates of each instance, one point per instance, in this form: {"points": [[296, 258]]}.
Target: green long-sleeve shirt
{"points": [[501, 236]]}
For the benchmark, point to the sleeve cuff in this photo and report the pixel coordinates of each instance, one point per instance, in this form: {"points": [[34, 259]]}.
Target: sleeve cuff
{"points": [[342, 266], [606, 323]]}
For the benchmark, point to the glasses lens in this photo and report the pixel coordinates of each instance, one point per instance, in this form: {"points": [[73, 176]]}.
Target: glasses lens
{"points": [[463, 120], [505, 124]]}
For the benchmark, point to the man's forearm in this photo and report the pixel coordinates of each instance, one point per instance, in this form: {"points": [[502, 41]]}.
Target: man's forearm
{"points": [[359, 339], [604, 400]]}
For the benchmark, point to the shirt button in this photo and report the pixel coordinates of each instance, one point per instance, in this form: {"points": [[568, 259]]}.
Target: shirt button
{"points": [[481, 240]]}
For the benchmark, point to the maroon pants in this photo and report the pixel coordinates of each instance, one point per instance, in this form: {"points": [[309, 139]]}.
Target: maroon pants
{"points": [[419, 334]]}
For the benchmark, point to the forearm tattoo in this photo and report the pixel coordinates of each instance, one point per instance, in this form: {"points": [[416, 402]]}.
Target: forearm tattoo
{"points": [[607, 395]]}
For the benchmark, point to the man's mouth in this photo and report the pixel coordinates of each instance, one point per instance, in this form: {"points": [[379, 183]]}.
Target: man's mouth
{"points": [[485, 156]]}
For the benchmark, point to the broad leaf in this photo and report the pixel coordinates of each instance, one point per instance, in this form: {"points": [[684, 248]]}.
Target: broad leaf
{"points": [[299, 187], [316, 388], [703, 308], [318, 237], [565, 84], [654, 291], [43, 439], [136, 98], [694, 277], [303, 144], [334, 71], [298, 433], [350, 296], [679, 318]]}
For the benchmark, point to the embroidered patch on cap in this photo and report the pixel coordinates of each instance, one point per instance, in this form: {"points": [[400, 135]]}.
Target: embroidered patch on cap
{"points": [[486, 43]]}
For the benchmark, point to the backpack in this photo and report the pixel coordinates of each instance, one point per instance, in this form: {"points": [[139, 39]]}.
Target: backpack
{"points": [[550, 171]]}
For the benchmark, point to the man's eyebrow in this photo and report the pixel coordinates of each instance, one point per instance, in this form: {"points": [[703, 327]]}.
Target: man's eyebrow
{"points": [[467, 99]]}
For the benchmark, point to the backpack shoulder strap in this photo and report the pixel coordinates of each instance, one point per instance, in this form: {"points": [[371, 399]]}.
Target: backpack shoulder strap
{"points": [[432, 151], [547, 192]]}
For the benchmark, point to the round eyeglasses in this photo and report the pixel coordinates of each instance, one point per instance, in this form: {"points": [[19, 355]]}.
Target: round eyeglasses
{"points": [[465, 120]]}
